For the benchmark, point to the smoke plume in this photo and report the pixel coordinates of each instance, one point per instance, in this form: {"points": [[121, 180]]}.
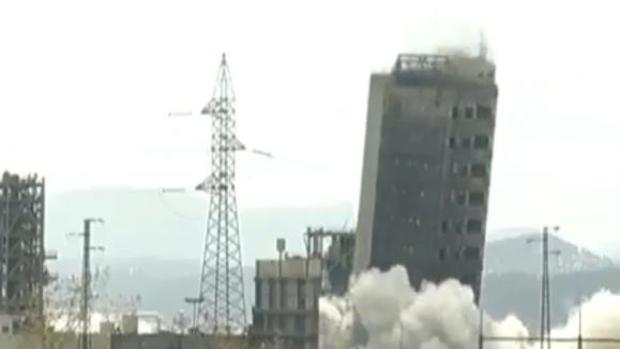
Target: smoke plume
{"points": [[442, 316]]}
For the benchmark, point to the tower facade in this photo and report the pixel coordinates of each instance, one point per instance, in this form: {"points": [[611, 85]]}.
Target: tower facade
{"points": [[427, 165]]}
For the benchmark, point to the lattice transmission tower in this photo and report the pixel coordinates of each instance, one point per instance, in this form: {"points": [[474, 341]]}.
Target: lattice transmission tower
{"points": [[222, 307]]}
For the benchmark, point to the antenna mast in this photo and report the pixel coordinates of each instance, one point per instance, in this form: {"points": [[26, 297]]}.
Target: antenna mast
{"points": [[483, 48]]}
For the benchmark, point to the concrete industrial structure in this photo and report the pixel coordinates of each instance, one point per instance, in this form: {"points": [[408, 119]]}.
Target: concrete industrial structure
{"points": [[22, 254], [285, 314], [427, 163], [337, 260]]}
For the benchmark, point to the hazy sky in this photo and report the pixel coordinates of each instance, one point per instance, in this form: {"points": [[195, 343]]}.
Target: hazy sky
{"points": [[85, 88]]}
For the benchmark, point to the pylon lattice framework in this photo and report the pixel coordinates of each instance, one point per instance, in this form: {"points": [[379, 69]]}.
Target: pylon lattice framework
{"points": [[221, 281]]}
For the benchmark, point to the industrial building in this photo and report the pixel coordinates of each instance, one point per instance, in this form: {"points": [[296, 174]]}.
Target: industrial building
{"points": [[22, 254], [337, 260], [427, 164], [285, 313]]}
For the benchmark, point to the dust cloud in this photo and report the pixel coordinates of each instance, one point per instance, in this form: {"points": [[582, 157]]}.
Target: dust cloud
{"points": [[442, 316]]}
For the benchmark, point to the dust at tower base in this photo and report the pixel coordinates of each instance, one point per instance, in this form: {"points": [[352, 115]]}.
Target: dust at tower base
{"points": [[427, 165]]}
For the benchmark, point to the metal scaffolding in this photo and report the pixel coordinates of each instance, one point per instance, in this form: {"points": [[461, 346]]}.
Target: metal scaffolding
{"points": [[337, 261], [22, 255]]}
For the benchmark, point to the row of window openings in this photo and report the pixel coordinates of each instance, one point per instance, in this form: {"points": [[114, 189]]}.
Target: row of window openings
{"points": [[470, 226], [472, 111], [477, 170], [473, 198], [411, 220], [477, 142], [469, 253], [408, 163], [404, 191], [279, 322], [283, 295], [469, 111]]}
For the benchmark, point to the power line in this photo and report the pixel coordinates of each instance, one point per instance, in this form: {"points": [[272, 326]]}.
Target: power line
{"points": [[86, 282]]}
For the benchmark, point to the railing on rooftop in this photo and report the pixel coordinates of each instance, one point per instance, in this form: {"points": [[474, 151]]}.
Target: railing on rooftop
{"points": [[417, 62]]}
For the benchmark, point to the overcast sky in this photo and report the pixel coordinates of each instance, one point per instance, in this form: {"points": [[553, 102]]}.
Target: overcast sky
{"points": [[85, 88]]}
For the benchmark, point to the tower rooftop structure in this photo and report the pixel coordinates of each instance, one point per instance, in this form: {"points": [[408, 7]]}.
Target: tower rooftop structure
{"points": [[433, 70]]}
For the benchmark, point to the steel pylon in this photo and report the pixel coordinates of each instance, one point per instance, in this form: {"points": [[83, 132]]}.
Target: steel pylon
{"points": [[221, 290]]}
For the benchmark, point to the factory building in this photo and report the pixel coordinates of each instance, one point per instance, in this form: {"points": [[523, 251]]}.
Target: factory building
{"points": [[427, 165], [285, 314], [22, 254]]}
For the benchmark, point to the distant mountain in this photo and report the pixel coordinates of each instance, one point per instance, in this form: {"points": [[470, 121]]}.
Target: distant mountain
{"points": [[519, 293], [516, 255], [511, 283]]}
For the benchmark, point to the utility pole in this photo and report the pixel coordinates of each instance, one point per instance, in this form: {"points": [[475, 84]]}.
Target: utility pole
{"points": [[545, 308], [86, 282], [544, 314], [195, 303], [281, 247], [579, 338], [480, 327]]}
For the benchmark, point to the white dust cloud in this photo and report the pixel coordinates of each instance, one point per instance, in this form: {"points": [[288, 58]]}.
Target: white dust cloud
{"points": [[440, 316]]}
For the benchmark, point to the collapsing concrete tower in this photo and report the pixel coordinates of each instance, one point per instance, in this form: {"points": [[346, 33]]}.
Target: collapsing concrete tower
{"points": [[427, 164], [22, 255]]}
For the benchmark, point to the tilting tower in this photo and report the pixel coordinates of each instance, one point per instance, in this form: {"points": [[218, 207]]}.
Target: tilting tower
{"points": [[22, 255], [221, 283]]}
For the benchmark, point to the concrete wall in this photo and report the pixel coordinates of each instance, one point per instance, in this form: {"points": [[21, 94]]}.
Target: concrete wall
{"points": [[123, 341], [55, 341], [161, 341], [290, 268], [6, 324], [366, 214], [280, 289]]}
